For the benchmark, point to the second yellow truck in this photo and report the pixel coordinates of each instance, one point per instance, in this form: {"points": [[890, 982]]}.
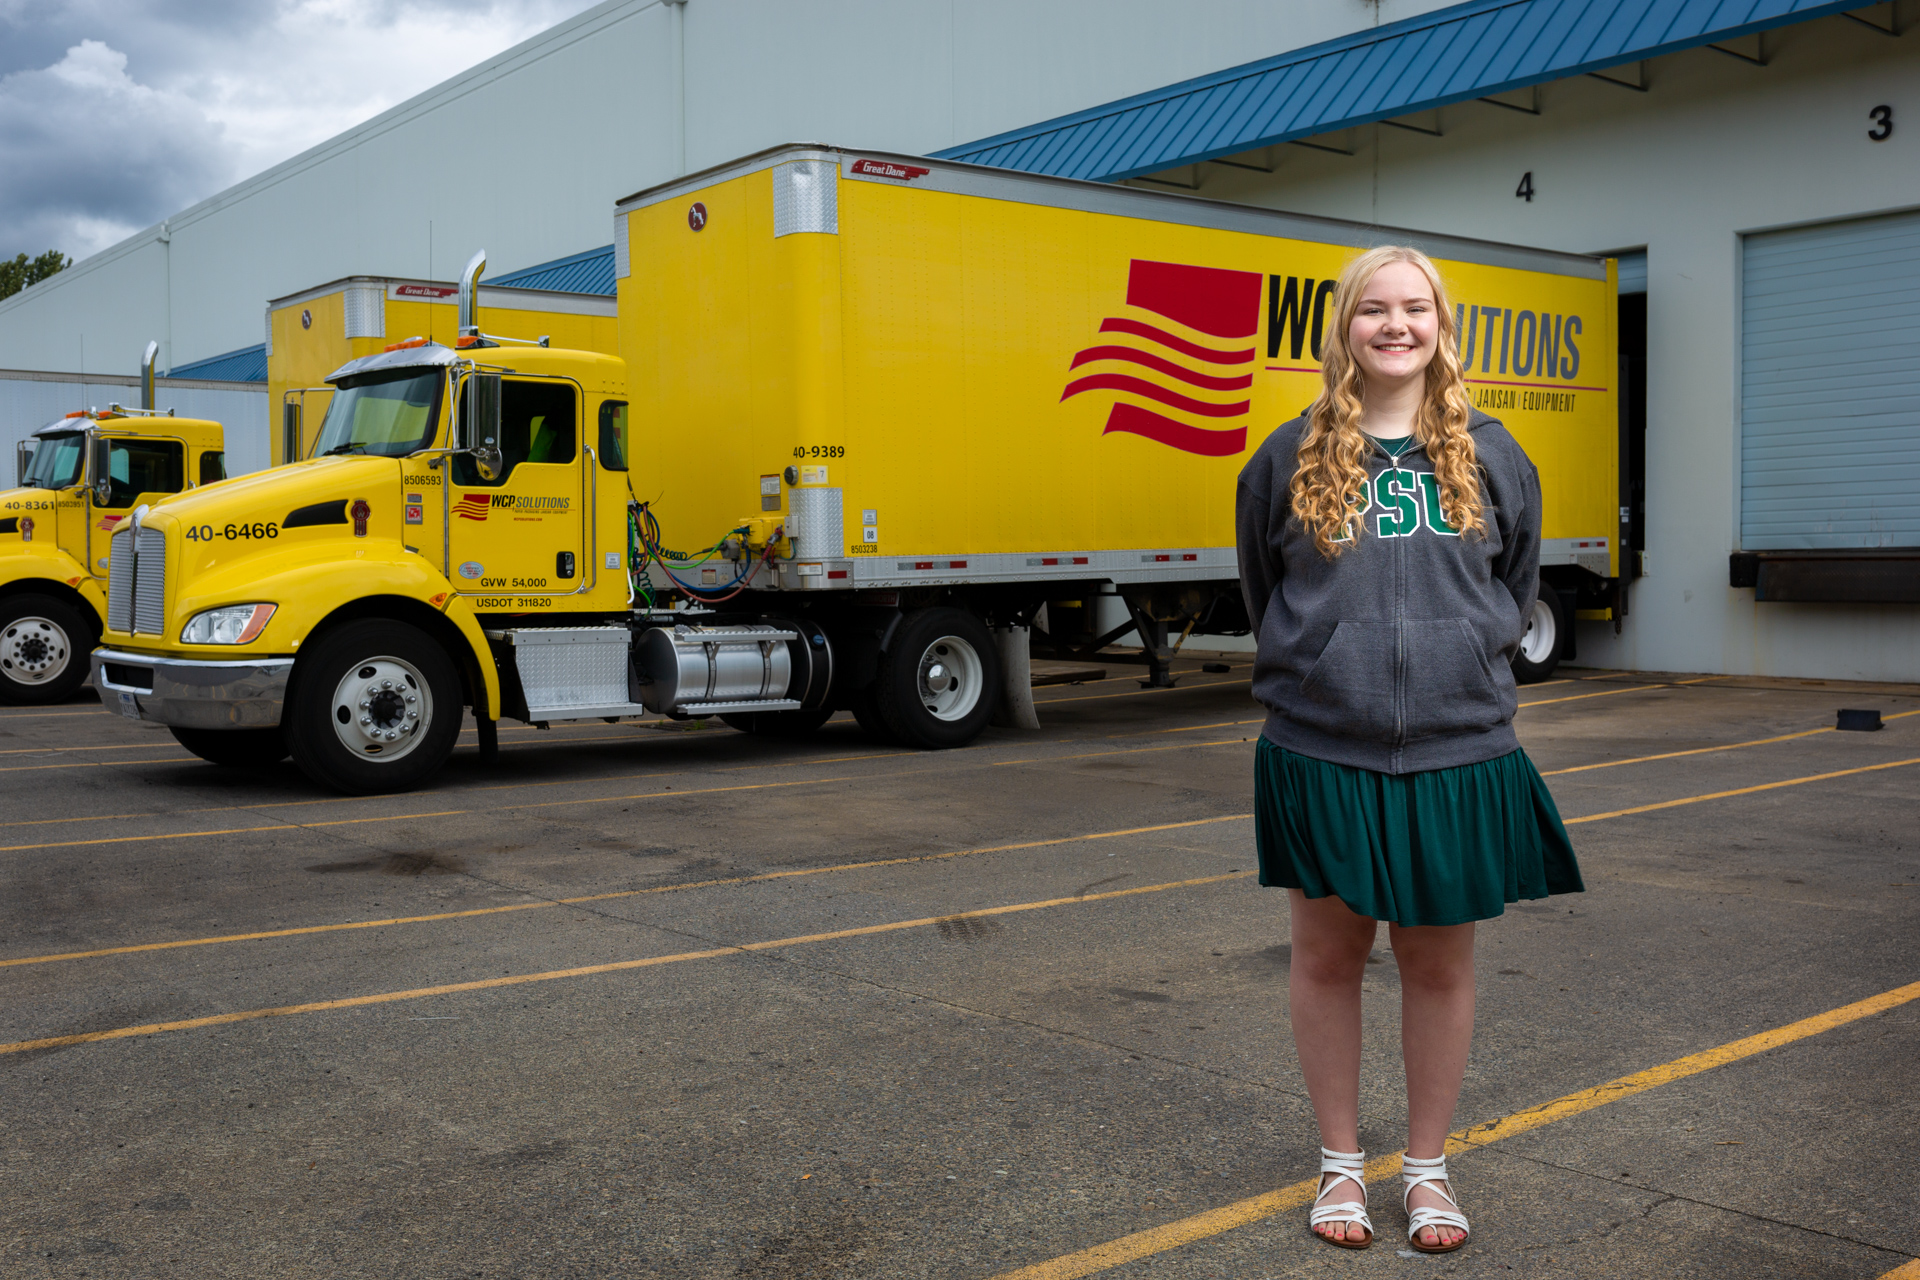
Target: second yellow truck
{"points": [[908, 416]]}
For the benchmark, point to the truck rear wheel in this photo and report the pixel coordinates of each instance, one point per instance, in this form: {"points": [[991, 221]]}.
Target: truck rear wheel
{"points": [[235, 748], [44, 644], [938, 679], [1545, 639], [779, 724], [376, 708]]}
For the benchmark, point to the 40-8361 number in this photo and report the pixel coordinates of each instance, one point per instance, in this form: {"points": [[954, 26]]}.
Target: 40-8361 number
{"points": [[207, 533]]}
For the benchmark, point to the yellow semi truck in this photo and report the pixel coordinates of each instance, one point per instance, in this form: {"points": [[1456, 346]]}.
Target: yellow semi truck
{"points": [[76, 480], [915, 419], [315, 331]]}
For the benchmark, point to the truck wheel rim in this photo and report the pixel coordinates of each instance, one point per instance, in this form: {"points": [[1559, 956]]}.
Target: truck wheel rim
{"points": [[1542, 636], [381, 709], [34, 650], [951, 678]]}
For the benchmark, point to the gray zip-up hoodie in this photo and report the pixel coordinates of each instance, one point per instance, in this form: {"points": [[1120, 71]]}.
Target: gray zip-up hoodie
{"points": [[1392, 656]]}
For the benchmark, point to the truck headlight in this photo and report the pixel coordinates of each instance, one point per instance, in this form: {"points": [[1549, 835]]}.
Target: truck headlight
{"points": [[233, 624]]}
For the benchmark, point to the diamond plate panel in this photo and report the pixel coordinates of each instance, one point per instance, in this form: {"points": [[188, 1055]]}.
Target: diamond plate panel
{"points": [[571, 667], [820, 523], [806, 197], [366, 310]]}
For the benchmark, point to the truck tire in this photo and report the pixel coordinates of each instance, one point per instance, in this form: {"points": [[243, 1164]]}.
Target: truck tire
{"points": [[44, 643], [779, 724], [235, 748], [376, 708], [1545, 639], [938, 679]]}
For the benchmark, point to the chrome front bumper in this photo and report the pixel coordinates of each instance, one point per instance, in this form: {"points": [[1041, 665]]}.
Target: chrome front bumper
{"points": [[193, 693]]}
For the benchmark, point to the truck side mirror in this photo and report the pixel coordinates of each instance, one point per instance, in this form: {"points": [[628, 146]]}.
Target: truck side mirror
{"points": [[482, 426], [100, 470], [290, 431], [22, 462]]}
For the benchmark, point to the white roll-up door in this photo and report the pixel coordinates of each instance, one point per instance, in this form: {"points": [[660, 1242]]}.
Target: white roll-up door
{"points": [[1830, 386]]}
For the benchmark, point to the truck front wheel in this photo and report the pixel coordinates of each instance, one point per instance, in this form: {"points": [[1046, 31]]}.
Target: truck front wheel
{"points": [[44, 644], [938, 679], [376, 708]]}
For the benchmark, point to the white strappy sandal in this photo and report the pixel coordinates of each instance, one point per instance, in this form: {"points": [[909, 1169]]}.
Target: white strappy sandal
{"points": [[1351, 1167], [1429, 1173]]}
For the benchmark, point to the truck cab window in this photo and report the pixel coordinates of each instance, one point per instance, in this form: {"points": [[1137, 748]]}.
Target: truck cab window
{"points": [[213, 466], [56, 462], [144, 466], [613, 435], [389, 414], [537, 424]]}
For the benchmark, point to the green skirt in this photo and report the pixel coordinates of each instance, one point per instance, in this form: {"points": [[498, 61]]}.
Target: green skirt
{"points": [[1436, 848]]}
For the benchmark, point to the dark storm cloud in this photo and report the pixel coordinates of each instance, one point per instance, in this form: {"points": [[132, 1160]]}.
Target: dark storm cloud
{"points": [[116, 113]]}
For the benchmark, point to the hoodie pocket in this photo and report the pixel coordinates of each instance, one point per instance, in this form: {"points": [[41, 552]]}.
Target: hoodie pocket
{"points": [[1450, 687], [1349, 689]]}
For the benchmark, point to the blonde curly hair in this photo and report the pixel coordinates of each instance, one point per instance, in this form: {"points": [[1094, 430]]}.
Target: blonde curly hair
{"points": [[1330, 476]]}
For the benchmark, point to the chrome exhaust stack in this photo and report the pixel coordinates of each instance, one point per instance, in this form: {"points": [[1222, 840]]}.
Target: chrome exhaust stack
{"points": [[146, 376], [470, 295]]}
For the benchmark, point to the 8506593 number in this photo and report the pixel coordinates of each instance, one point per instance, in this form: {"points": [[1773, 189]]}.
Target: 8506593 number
{"points": [[208, 533]]}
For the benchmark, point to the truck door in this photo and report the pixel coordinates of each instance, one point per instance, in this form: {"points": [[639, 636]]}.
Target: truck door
{"points": [[519, 540]]}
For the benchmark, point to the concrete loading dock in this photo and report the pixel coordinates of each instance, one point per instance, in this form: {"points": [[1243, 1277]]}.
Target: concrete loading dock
{"points": [[726, 1008]]}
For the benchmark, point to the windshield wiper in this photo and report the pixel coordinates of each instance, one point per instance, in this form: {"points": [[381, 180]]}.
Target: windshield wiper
{"points": [[348, 447]]}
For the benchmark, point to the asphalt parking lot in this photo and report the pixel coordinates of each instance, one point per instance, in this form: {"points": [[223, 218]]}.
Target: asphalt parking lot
{"points": [[649, 1001]]}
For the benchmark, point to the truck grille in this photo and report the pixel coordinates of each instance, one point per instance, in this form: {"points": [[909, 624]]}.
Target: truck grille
{"points": [[150, 582], [120, 582]]}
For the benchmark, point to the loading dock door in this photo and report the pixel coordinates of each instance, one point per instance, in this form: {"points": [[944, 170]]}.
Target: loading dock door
{"points": [[1830, 386]]}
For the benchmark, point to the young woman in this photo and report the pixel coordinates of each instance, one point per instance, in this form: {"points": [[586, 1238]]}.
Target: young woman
{"points": [[1389, 551]]}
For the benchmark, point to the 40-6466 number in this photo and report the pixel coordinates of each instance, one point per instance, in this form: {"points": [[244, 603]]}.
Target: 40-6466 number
{"points": [[207, 533]]}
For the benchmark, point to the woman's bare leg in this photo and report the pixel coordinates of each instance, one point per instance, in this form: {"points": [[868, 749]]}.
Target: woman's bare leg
{"points": [[1330, 947], [1436, 1031]]}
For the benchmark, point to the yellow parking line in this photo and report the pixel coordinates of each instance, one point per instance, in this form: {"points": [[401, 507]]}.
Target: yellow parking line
{"points": [[1698, 751], [1911, 1271], [1124, 751], [606, 897], [98, 764], [402, 817], [1172, 1235], [513, 980], [1605, 693], [1741, 791], [1179, 688]]}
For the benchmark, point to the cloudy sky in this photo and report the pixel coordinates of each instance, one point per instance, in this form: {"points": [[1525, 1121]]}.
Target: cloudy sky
{"points": [[117, 113]]}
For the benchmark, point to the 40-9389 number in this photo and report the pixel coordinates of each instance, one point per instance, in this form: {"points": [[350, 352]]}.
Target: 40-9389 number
{"points": [[258, 529]]}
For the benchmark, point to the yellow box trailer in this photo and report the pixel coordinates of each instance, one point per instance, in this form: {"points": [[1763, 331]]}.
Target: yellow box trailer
{"points": [[938, 376], [316, 331]]}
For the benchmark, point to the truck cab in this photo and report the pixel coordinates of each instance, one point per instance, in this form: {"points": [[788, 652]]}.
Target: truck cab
{"points": [[79, 478]]}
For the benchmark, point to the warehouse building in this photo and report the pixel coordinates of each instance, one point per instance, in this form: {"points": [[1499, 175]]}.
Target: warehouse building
{"points": [[1745, 160]]}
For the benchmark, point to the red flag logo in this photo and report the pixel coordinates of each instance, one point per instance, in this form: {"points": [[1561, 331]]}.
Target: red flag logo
{"points": [[472, 506], [1203, 380]]}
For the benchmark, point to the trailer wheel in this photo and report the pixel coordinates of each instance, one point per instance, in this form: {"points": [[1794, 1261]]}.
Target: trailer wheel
{"points": [[235, 748], [779, 724], [44, 644], [376, 708], [938, 680], [1540, 648]]}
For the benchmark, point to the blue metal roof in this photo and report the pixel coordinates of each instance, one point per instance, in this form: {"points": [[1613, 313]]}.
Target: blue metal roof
{"points": [[1450, 55], [248, 364], [588, 272]]}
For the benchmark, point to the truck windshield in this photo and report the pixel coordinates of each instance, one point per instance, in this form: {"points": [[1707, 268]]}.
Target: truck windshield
{"points": [[388, 414], [56, 461]]}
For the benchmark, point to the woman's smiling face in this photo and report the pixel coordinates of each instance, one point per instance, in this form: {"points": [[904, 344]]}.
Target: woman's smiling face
{"points": [[1396, 326]]}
